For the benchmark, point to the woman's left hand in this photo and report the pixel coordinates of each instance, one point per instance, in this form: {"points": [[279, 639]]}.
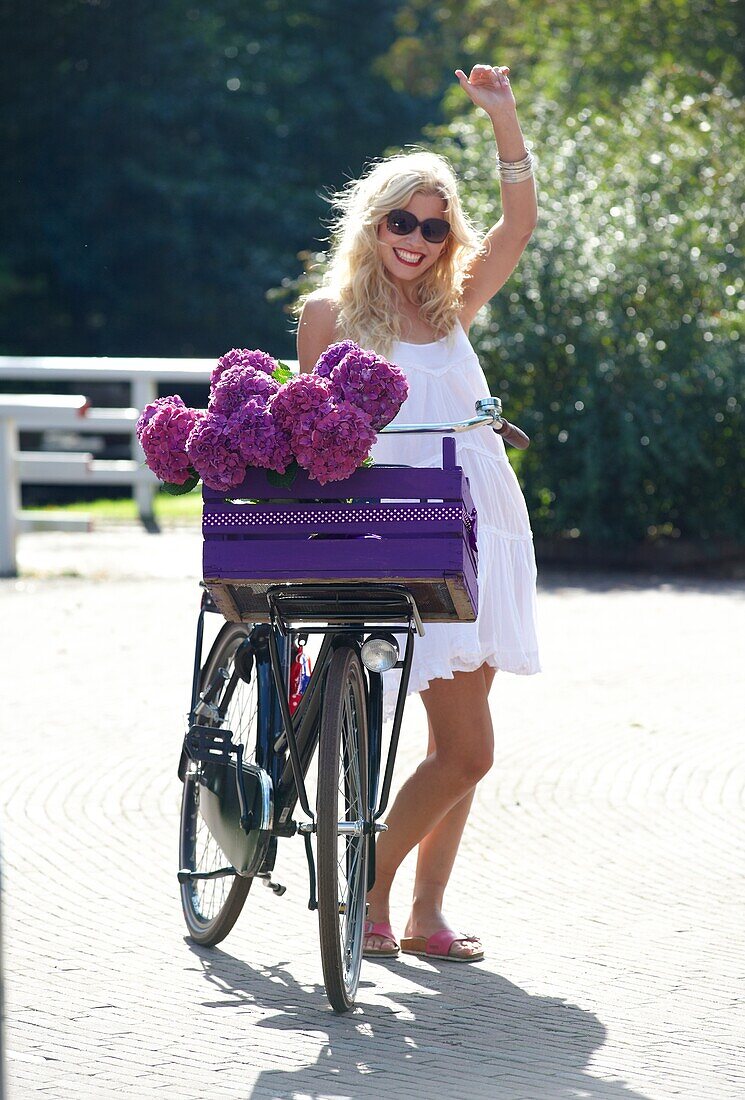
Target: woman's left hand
{"points": [[488, 87]]}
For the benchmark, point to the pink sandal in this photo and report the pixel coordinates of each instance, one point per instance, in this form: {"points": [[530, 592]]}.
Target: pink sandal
{"points": [[439, 945], [383, 930]]}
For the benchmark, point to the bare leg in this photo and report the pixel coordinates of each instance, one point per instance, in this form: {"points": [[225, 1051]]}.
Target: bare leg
{"points": [[435, 860], [445, 837], [437, 852], [463, 745]]}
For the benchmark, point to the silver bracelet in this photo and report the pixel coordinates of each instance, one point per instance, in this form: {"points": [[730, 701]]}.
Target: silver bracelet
{"points": [[515, 171]]}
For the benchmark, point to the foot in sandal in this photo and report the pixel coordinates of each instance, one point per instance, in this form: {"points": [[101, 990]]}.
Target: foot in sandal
{"points": [[379, 941], [444, 944]]}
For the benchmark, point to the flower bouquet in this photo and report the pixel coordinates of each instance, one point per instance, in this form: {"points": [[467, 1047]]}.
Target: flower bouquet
{"points": [[260, 415]]}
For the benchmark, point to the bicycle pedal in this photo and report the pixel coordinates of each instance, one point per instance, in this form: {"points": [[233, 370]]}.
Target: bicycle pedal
{"points": [[207, 744], [276, 887]]}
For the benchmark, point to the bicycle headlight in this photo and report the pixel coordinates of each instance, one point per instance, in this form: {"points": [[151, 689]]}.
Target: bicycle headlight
{"points": [[379, 652]]}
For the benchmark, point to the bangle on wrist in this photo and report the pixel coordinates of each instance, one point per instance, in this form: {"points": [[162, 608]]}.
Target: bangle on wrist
{"points": [[516, 171]]}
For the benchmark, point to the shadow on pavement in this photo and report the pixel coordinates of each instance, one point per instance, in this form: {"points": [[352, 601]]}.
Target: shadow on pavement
{"points": [[449, 1032]]}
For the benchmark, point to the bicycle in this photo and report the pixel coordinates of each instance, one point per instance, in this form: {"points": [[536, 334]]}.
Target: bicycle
{"points": [[245, 756]]}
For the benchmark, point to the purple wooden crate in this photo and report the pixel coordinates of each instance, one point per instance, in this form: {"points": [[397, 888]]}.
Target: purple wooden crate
{"points": [[404, 524]]}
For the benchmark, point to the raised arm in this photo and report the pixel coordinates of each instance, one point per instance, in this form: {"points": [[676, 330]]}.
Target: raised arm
{"points": [[489, 88]]}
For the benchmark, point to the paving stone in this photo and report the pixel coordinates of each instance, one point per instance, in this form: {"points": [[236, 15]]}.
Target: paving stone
{"points": [[601, 865]]}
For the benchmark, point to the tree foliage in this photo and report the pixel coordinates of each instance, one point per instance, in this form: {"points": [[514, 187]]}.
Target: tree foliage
{"points": [[587, 52], [164, 161], [619, 339]]}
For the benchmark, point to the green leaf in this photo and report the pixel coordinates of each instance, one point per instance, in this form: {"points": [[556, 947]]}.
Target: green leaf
{"points": [[282, 374], [284, 480], [367, 463], [180, 490]]}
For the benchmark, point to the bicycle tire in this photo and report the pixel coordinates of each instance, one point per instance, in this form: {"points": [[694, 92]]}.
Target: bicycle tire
{"points": [[342, 859], [211, 907]]}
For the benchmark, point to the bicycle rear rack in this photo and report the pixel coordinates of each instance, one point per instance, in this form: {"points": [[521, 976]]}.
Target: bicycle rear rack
{"points": [[372, 605]]}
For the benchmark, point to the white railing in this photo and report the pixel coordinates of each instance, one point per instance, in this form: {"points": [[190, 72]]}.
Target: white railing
{"points": [[143, 375], [32, 412]]}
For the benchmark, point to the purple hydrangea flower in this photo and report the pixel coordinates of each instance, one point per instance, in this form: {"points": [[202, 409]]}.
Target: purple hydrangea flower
{"points": [[150, 410], [239, 384], [212, 453], [164, 437], [333, 354], [257, 437], [243, 357], [297, 405], [340, 440], [373, 384]]}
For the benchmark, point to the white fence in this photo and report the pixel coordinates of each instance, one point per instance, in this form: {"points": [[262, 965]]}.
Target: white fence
{"points": [[53, 412], [33, 412], [143, 375]]}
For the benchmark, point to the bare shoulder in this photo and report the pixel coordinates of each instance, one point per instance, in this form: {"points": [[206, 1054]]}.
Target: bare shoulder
{"points": [[316, 328], [321, 304]]}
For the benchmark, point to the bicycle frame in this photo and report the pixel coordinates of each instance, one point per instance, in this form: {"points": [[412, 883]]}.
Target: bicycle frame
{"points": [[300, 731], [301, 728]]}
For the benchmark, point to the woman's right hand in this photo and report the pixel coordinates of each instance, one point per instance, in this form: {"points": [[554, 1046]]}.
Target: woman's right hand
{"points": [[488, 87]]}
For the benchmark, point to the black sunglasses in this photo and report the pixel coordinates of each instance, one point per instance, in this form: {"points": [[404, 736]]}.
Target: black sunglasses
{"points": [[403, 222]]}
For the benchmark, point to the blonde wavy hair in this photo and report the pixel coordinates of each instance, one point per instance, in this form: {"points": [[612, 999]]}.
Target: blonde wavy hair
{"points": [[356, 278]]}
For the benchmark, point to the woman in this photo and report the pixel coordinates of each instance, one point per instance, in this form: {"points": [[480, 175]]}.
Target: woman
{"points": [[407, 276]]}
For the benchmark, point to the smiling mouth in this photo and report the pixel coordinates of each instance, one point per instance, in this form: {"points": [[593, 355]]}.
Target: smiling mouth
{"points": [[411, 259]]}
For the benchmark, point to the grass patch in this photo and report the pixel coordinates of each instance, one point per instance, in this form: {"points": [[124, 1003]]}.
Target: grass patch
{"points": [[167, 509]]}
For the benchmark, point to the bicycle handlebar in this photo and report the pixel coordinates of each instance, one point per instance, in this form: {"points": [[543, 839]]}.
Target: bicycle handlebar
{"points": [[488, 411], [513, 435]]}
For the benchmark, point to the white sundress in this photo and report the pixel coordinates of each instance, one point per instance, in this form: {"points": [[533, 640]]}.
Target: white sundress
{"points": [[445, 381]]}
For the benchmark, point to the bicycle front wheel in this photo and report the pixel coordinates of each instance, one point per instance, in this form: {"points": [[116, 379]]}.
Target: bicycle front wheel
{"points": [[341, 818], [212, 906]]}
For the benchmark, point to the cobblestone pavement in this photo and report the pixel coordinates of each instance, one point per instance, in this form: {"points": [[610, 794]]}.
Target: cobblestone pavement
{"points": [[603, 865]]}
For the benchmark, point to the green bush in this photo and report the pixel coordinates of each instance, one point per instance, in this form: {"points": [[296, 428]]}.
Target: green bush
{"points": [[162, 162], [618, 341]]}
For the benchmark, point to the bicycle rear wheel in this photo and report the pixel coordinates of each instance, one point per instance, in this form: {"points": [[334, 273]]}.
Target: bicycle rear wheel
{"points": [[212, 906], [341, 817]]}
